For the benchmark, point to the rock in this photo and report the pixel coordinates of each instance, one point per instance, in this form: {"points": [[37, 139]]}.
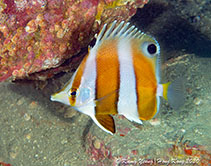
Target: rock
{"points": [[37, 35]]}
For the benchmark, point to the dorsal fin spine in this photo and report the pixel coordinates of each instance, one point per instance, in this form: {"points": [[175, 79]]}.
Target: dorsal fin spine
{"points": [[117, 29], [128, 31], [136, 35], [123, 29], [109, 30], [133, 33], [101, 34]]}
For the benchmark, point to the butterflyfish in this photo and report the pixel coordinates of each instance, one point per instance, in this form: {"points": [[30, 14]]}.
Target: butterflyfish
{"points": [[120, 75]]}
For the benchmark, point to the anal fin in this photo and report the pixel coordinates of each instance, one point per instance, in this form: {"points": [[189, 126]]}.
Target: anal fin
{"points": [[105, 122]]}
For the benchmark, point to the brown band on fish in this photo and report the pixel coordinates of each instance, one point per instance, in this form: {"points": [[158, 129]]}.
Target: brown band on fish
{"points": [[145, 84], [108, 77], [107, 122]]}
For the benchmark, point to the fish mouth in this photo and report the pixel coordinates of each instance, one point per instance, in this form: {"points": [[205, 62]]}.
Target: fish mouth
{"points": [[60, 97]]}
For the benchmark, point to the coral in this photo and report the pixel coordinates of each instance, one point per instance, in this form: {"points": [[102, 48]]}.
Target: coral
{"points": [[190, 154], [123, 131], [97, 150], [4, 164], [36, 35]]}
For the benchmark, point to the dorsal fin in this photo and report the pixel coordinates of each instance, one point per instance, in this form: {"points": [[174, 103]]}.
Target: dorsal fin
{"points": [[122, 29]]}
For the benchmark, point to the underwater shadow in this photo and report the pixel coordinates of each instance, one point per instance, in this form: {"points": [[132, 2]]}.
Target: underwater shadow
{"points": [[41, 91], [172, 31], [30, 89], [178, 34], [146, 15]]}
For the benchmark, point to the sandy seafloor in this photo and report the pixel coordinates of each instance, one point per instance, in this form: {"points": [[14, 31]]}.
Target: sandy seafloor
{"points": [[37, 132]]}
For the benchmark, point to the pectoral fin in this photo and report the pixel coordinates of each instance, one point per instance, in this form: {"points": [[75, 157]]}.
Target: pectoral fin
{"points": [[107, 104], [105, 122]]}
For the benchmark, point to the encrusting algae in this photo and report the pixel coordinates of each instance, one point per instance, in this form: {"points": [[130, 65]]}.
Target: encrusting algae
{"points": [[41, 34]]}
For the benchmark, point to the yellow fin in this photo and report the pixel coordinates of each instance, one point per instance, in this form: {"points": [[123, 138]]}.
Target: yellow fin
{"points": [[165, 90], [174, 93], [107, 122]]}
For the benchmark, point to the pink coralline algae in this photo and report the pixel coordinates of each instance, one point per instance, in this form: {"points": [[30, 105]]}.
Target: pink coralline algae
{"points": [[192, 155], [36, 35], [97, 150]]}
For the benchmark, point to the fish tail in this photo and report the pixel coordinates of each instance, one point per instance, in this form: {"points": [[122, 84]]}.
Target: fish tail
{"points": [[173, 92]]}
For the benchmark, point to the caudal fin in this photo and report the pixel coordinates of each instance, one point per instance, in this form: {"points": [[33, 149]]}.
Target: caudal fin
{"points": [[175, 93]]}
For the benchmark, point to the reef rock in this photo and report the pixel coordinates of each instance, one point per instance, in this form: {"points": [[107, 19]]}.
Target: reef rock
{"points": [[36, 35]]}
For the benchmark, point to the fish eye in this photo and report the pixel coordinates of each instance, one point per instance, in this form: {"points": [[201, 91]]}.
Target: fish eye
{"points": [[73, 93], [150, 49]]}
